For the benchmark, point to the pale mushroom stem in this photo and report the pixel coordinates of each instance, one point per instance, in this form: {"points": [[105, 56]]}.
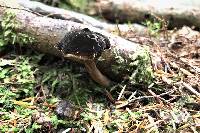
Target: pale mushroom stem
{"points": [[96, 74], [92, 69]]}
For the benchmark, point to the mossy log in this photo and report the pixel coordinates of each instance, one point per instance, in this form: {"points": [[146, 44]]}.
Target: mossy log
{"points": [[123, 56]]}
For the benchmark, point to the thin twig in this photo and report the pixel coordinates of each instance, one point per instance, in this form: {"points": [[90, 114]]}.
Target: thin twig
{"points": [[122, 91], [187, 86]]}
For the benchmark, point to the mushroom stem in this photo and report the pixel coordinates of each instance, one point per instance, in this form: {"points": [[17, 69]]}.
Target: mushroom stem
{"points": [[92, 69], [96, 74]]}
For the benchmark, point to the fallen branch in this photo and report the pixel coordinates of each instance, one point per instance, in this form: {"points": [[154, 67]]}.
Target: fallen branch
{"points": [[79, 18], [177, 13], [48, 31]]}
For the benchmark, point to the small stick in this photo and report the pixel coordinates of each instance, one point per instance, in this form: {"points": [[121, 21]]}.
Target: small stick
{"points": [[187, 86]]}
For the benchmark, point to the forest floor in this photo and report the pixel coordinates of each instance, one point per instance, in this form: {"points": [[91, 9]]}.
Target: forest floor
{"points": [[44, 93]]}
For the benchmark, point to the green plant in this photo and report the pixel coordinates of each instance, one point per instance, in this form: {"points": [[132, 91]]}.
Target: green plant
{"points": [[33, 127], [9, 34], [17, 82], [55, 121], [18, 72], [154, 27], [5, 97], [143, 73], [80, 5], [137, 66]]}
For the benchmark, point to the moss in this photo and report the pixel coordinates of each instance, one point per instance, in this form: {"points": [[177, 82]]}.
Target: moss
{"points": [[9, 34], [136, 67]]}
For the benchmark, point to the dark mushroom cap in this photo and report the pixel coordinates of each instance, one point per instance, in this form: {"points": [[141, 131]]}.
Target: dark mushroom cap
{"points": [[83, 41]]}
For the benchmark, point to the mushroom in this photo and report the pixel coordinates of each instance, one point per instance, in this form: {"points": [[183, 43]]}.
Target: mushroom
{"points": [[85, 46]]}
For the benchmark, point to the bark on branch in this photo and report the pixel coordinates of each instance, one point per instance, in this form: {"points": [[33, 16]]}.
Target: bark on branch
{"points": [[176, 12], [47, 32], [79, 18]]}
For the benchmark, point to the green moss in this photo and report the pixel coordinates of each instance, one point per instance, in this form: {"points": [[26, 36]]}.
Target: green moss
{"points": [[137, 66], [9, 34]]}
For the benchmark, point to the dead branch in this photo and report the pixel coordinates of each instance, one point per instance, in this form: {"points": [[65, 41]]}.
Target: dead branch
{"points": [[177, 13], [78, 17], [48, 31]]}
